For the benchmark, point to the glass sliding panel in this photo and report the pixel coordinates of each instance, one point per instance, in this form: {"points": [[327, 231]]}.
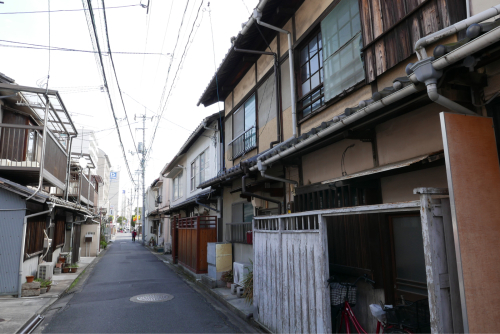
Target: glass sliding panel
{"points": [[250, 112], [341, 32]]}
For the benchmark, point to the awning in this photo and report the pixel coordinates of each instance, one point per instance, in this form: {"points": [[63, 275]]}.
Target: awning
{"points": [[174, 172], [400, 164]]}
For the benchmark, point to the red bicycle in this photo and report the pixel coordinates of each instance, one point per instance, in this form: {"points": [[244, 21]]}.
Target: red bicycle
{"points": [[344, 294]]}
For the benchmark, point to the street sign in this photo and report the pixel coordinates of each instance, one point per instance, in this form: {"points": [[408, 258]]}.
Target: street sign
{"points": [[113, 175]]}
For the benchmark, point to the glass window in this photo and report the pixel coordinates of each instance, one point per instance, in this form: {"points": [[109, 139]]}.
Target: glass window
{"points": [[244, 128], [177, 186], [342, 53], [311, 77], [194, 172]]}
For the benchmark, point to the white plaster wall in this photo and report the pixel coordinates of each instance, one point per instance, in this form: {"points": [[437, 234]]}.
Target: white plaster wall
{"points": [[203, 143], [30, 267]]}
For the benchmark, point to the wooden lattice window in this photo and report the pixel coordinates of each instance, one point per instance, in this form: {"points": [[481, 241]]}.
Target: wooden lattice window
{"points": [[34, 236]]}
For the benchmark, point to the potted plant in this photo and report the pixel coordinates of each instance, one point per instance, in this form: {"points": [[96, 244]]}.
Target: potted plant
{"points": [[61, 259], [227, 277], [74, 268], [47, 284], [65, 269], [30, 278]]}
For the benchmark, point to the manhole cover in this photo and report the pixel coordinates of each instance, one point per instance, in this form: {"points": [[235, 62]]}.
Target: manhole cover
{"points": [[152, 298]]}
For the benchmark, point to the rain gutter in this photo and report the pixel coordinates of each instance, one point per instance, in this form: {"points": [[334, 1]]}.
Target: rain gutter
{"points": [[453, 29], [398, 95]]}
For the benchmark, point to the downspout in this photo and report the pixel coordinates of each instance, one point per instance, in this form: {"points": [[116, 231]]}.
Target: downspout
{"points": [[257, 15], [44, 140], [245, 193], [23, 244], [426, 73], [262, 169], [453, 29], [276, 88]]}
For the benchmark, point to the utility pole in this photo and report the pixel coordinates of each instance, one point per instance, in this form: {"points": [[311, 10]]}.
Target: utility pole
{"points": [[143, 165], [143, 170]]}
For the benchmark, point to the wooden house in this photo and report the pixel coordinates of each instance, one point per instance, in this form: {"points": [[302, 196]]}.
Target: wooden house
{"points": [[367, 139]]}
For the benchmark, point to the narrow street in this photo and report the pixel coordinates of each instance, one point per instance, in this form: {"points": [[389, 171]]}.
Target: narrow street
{"points": [[126, 270]]}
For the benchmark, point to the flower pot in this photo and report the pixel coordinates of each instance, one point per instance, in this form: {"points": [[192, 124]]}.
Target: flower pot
{"points": [[228, 285], [62, 260], [43, 290], [30, 278], [48, 288], [65, 270], [73, 270]]}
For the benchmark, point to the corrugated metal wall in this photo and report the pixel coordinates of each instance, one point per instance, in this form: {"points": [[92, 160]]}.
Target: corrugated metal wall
{"points": [[11, 230]]}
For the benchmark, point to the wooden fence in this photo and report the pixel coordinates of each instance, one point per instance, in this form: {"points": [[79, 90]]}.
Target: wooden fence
{"points": [[191, 235]]}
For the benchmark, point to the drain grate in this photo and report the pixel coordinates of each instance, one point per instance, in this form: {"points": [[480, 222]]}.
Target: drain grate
{"points": [[152, 298]]}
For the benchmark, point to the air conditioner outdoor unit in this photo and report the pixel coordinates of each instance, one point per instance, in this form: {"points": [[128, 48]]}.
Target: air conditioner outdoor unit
{"points": [[45, 271], [240, 270]]}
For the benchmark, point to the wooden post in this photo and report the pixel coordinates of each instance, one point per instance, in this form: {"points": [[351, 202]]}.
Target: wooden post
{"points": [[435, 261], [325, 272]]}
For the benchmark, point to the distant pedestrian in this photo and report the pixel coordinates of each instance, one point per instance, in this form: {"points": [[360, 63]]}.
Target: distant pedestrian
{"points": [[134, 233]]}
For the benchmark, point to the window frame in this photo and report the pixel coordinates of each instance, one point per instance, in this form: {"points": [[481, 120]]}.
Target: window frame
{"points": [[198, 171], [313, 30], [298, 65], [177, 187], [241, 107]]}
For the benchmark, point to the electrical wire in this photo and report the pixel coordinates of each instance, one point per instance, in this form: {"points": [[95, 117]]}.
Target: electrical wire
{"points": [[164, 37], [216, 78], [64, 10], [89, 4], [55, 48], [116, 76], [168, 73]]}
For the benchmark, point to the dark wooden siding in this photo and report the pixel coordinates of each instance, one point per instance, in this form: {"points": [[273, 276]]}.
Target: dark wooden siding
{"points": [[392, 27], [360, 244]]}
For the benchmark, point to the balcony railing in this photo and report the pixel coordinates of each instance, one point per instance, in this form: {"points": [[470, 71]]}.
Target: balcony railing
{"points": [[82, 190], [245, 142], [21, 154]]}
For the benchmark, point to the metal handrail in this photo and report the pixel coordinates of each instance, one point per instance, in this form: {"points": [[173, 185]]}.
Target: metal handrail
{"points": [[252, 127]]}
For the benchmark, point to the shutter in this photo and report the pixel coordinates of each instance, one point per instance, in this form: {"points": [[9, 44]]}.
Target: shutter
{"points": [[341, 38]]}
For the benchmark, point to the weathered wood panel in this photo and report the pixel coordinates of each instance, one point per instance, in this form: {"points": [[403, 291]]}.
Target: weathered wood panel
{"points": [[391, 28], [289, 278]]}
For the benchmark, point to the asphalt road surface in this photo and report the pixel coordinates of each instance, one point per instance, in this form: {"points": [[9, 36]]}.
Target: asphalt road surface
{"points": [[126, 270]]}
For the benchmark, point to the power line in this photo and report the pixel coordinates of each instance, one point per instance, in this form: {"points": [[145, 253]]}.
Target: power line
{"points": [[170, 65], [55, 48], [176, 72], [64, 10], [164, 37], [89, 3], [116, 76]]}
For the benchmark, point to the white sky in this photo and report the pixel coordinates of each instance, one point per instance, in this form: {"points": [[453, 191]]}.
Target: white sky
{"points": [[77, 76]]}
